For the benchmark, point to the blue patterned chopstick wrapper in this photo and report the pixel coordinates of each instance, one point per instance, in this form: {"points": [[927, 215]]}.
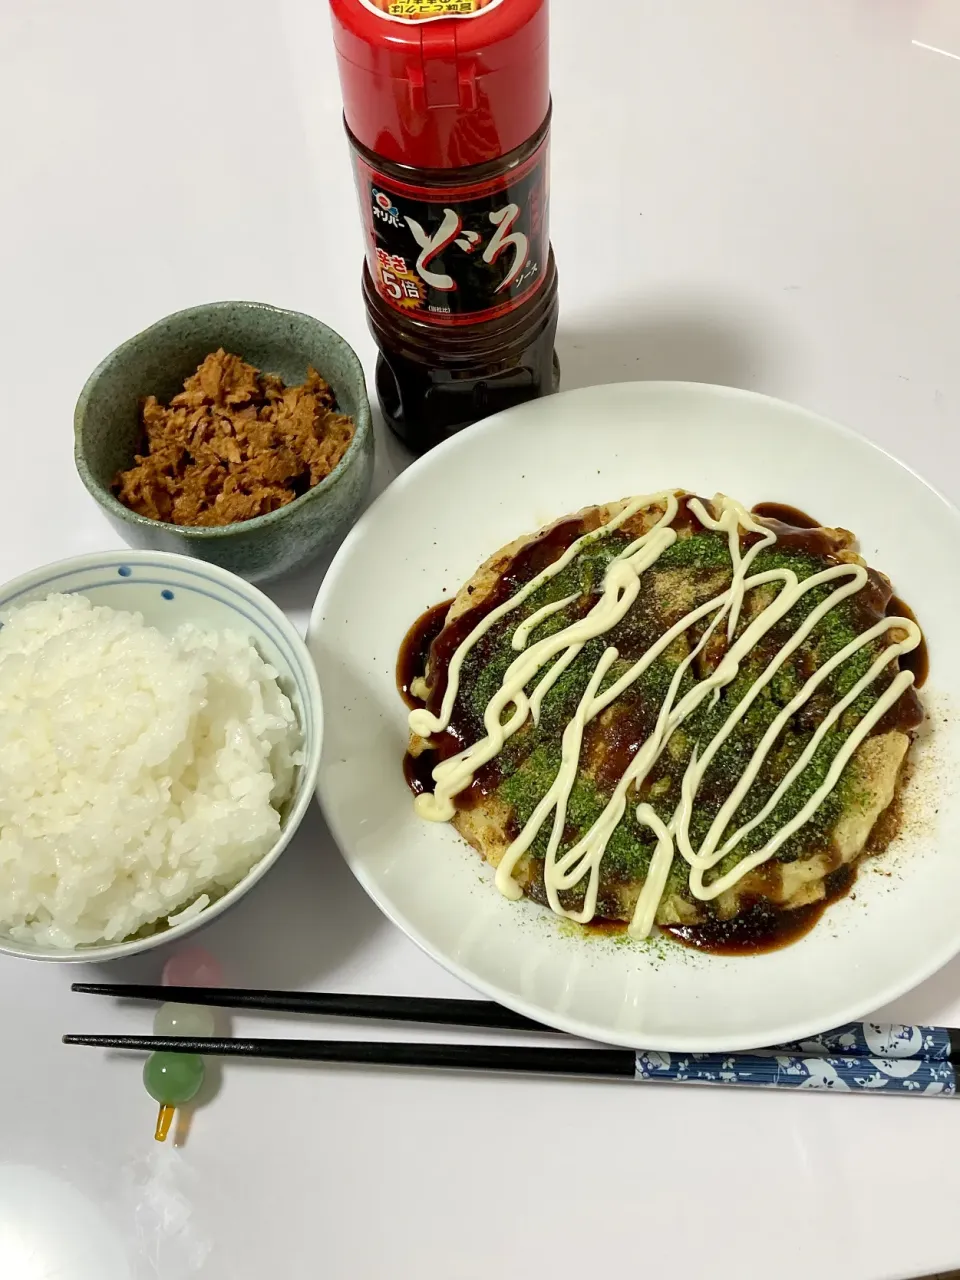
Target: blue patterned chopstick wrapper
{"points": [[865, 1057]]}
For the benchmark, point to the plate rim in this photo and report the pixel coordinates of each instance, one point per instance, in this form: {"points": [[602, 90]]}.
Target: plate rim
{"points": [[577, 1027]]}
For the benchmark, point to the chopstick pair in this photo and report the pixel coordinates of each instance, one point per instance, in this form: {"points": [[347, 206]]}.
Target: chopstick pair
{"points": [[860, 1057]]}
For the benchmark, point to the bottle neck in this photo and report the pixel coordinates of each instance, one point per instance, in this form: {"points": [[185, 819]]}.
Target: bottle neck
{"points": [[467, 175]]}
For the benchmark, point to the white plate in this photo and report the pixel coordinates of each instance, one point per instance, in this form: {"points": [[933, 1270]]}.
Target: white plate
{"points": [[511, 474]]}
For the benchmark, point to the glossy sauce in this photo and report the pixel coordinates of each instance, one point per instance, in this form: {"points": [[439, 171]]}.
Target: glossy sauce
{"points": [[415, 649], [418, 771], [418, 774], [798, 531], [918, 660], [526, 564], [761, 927], [412, 662], [792, 516], [791, 524]]}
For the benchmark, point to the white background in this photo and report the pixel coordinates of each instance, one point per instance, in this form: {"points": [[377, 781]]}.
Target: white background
{"points": [[757, 192]]}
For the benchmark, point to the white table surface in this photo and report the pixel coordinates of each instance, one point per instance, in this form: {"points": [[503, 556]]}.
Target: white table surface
{"points": [[756, 192]]}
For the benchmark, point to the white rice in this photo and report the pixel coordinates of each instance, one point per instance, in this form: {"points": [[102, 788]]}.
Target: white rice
{"points": [[140, 776]]}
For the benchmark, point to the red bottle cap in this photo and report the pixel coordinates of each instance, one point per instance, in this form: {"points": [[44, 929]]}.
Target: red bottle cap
{"points": [[439, 84]]}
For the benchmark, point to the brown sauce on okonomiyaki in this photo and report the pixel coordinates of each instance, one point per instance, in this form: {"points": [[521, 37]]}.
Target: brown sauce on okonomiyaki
{"points": [[416, 648], [917, 660], [761, 926]]}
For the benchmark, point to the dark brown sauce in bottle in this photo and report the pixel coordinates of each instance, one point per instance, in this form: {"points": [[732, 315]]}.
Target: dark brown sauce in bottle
{"points": [[431, 384], [434, 379]]}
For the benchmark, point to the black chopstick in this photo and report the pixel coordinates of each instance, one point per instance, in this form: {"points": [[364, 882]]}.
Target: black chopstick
{"points": [[570, 1062], [454, 1013], [857, 1057], [852, 1041], [776, 1069]]}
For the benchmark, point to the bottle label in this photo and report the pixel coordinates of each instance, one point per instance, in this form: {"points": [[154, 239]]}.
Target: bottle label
{"points": [[457, 255], [428, 10]]}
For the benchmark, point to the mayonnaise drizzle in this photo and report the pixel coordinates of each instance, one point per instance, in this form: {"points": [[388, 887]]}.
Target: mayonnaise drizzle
{"points": [[621, 586], [522, 633]]}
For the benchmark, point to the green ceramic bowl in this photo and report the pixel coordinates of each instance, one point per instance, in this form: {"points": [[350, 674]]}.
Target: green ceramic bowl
{"points": [[107, 431]]}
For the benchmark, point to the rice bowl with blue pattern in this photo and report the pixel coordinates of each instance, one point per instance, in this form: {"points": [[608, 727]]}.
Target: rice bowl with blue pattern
{"points": [[160, 734]]}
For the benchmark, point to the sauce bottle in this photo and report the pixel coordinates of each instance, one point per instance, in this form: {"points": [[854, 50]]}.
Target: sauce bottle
{"points": [[447, 110]]}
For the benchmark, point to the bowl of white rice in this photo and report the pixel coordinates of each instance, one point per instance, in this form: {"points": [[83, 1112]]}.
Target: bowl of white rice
{"points": [[160, 734]]}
